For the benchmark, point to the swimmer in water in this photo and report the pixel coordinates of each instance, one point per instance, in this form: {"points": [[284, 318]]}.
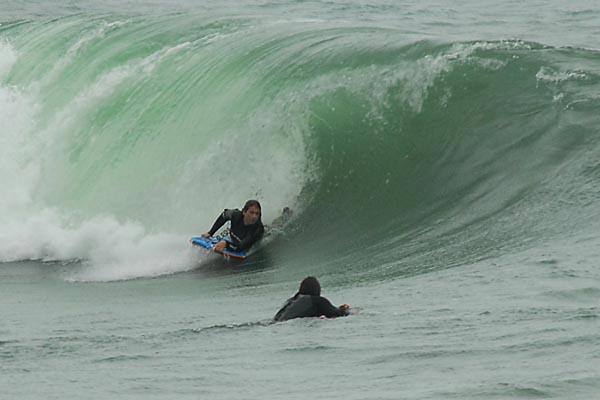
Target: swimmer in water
{"points": [[308, 302]]}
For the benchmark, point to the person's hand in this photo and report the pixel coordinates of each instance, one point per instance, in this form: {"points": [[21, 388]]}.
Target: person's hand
{"points": [[205, 235], [345, 307], [219, 247]]}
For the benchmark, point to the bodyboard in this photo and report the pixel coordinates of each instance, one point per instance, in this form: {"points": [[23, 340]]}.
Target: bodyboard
{"points": [[208, 245]]}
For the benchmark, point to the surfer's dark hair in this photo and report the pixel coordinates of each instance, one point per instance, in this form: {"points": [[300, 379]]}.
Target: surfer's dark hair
{"points": [[252, 203], [310, 285]]}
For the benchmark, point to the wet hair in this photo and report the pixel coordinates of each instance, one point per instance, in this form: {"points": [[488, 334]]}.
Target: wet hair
{"points": [[252, 203], [310, 285]]}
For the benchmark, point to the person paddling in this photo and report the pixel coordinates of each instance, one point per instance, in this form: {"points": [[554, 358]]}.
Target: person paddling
{"points": [[308, 302]]}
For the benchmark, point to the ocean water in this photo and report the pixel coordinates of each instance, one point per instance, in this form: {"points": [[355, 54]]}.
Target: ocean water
{"points": [[442, 161]]}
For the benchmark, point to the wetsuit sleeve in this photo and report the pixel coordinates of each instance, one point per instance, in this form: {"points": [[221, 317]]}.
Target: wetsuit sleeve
{"points": [[249, 240], [279, 316], [223, 217], [327, 309]]}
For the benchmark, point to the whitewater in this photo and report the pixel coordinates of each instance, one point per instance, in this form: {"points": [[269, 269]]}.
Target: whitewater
{"points": [[441, 161]]}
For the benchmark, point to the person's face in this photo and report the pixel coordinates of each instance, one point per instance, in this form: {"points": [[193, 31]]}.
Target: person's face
{"points": [[251, 215]]}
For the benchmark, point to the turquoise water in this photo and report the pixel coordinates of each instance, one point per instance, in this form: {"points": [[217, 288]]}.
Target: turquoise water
{"points": [[442, 162]]}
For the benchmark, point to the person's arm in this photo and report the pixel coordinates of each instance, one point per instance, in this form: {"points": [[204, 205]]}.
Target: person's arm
{"points": [[223, 217], [327, 309], [279, 315], [248, 241]]}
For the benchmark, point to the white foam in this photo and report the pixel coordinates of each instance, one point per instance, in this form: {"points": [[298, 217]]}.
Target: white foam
{"points": [[549, 75], [18, 170], [8, 57], [111, 250]]}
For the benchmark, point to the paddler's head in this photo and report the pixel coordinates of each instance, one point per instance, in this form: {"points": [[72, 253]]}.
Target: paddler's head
{"points": [[310, 285], [251, 212]]}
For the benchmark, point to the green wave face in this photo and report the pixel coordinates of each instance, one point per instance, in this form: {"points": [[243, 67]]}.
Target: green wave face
{"points": [[393, 152]]}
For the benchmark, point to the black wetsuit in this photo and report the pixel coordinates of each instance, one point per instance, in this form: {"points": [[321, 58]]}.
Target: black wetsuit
{"points": [[242, 236], [305, 305]]}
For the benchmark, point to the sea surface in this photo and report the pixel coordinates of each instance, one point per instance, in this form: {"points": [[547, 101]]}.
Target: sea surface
{"points": [[442, 160]]}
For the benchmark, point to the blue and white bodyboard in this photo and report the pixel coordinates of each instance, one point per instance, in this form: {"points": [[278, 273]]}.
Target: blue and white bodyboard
{"points": [[208, 245]]}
